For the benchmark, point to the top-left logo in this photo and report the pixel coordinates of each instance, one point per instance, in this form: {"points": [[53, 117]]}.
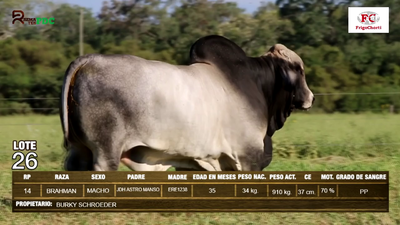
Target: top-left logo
{"points": [[19, 15]]}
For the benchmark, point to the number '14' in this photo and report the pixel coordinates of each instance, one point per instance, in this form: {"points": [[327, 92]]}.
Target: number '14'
{"points": [[27, 190]]}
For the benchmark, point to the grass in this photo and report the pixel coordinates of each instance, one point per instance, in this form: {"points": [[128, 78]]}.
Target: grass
{"points": [[308, 142]]}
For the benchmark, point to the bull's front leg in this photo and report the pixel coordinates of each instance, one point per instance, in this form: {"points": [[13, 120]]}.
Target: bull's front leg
{"points": [[256, 159], [266, 157]]}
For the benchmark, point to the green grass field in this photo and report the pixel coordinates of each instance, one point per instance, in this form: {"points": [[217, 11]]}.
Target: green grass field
{"points": [[307, 142]]}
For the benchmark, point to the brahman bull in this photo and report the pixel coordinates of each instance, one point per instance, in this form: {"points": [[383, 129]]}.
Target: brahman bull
{"points": [[216, 114]]}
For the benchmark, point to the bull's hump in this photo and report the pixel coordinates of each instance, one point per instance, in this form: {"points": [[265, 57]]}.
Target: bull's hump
{"points": [[216, 50]]}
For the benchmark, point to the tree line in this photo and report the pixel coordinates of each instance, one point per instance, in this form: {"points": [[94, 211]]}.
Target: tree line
{"points": [[33, 58]]}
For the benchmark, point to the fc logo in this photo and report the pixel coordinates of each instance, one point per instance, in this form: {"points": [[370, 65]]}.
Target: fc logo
{"points": [[368, 18]]}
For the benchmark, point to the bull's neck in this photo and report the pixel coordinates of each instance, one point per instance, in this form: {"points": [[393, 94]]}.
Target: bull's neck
{"points": [[263, 72]]}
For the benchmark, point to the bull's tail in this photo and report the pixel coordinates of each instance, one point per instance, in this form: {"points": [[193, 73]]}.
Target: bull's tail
{"points": [[69, 79]]}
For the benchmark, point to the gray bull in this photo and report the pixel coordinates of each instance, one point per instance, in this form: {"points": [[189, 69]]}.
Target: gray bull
{"points": [[217, 114]]}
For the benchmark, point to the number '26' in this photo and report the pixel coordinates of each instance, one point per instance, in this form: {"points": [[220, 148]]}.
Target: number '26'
{"points": [[31, 157]]}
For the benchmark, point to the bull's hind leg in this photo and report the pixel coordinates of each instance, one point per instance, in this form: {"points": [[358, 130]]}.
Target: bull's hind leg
{"points": [[106, 149], [106, 155], [105, 159], [79, 158]]}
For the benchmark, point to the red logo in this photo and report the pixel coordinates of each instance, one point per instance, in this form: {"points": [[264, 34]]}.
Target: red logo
{"points": [[368, 18], [19, 14]]}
